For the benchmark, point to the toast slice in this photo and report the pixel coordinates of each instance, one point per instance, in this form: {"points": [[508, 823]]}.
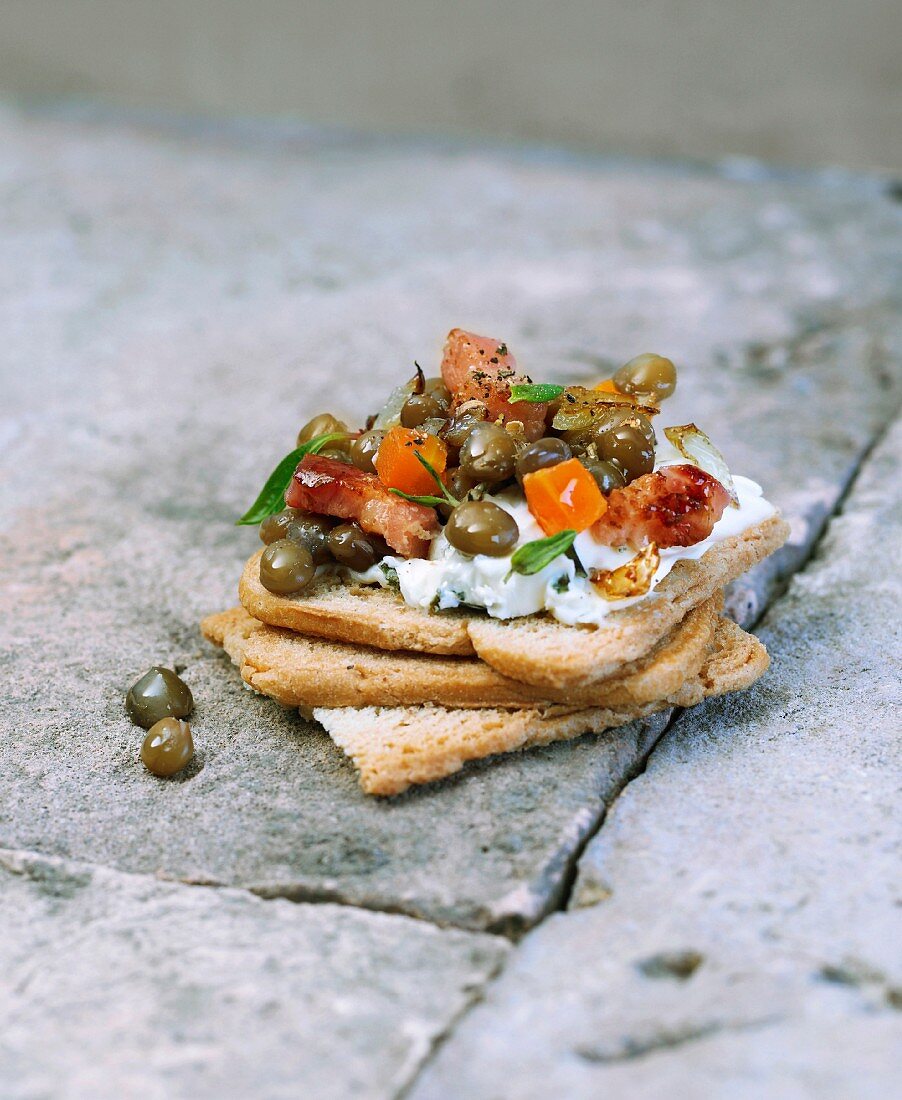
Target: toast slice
{"points": [[537, 649], [303, 671], [360, 614], [394, 748]]}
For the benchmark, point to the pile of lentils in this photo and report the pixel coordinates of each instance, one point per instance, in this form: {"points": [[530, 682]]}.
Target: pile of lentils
{"points": [[483, 456]]}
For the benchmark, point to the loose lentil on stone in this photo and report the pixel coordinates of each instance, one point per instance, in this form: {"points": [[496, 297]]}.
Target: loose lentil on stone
{"points": [[168, 747], [158, 694]]}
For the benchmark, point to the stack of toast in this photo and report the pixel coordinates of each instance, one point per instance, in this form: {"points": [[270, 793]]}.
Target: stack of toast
{"points": [[411, 695]]}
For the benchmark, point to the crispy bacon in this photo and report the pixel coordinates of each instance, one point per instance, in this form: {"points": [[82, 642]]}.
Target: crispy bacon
{"points": [[482, 369], [673, 506], [334, 488]]}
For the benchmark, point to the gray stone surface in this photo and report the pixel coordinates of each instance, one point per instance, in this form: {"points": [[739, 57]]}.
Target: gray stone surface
{"points": [[735, 926], [115, 985], [173, 302]]}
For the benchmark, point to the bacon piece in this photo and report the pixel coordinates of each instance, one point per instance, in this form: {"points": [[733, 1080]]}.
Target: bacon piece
{"points": [[334, 488], [482, 369], [673, 506]]}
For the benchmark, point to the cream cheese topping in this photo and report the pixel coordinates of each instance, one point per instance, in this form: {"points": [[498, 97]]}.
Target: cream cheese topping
{"points": [[448, 578]]}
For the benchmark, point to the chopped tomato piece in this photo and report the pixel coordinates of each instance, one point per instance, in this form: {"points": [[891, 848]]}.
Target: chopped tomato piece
{"points": [[479, 368], [333, 488], [398, 466], [564, 497]]}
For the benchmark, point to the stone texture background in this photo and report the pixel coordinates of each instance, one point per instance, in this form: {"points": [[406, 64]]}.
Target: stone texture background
{"points": [[174, 301], [743, 897], [805, 82]]}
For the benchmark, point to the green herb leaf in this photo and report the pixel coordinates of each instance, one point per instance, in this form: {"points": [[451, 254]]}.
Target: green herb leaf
{"points": [[577, 564], [429, 501], [536, 393], [446, 496], [272, 495], [432, 502], [391, 576], [532, 557]]}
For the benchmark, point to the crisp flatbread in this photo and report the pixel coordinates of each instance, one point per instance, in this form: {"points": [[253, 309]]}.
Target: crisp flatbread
{"points": [[299, 670], [536, 649], [394, 748]]}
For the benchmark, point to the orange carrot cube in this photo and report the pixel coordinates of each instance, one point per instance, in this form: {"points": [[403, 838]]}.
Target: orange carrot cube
{"points": [[398, 466], [564, 497]]}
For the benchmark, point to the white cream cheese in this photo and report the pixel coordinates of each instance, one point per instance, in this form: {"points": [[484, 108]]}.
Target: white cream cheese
{"points": [[448, 578]]}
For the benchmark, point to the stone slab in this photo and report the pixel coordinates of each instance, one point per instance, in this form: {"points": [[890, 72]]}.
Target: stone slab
{"points": [[735, 924], [174, 301], [115, 985]]}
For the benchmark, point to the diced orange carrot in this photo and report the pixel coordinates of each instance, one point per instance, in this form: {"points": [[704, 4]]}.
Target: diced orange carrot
{"points": [[607, 386], [398, 466], [564, 497]]}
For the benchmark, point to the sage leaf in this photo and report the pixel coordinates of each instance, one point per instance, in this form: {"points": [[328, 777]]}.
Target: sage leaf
{"points": [[536, 392], [272, 495], [532, 557]]}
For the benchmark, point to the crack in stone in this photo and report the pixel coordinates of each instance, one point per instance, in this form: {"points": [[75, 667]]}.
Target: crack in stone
{"points": [[571, 868], [477, 995], [294, 894], [305, 895], [631, 1049], [774, 595], [835, 512]]}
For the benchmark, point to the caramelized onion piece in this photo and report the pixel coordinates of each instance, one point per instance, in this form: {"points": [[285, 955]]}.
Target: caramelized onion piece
{"points": [[631, 579], [693, 444], [390, 413], [579, 408]]}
